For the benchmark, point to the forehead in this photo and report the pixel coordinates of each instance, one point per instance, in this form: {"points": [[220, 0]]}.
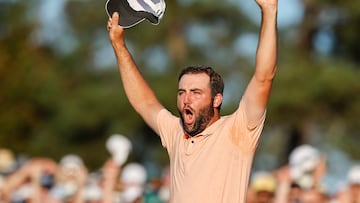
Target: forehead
{"points": [[194, 80]]}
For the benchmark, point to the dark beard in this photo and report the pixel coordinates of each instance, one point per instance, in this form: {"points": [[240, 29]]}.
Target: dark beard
{"points": [[202, 120]]}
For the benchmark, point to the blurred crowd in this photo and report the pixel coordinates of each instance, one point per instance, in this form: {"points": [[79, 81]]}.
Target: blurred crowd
{"points": [[302, 180], [44, 180], [69, 180]]}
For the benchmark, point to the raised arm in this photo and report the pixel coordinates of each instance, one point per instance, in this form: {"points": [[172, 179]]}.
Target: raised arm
{"points": [[139, 93], [257, 93]]}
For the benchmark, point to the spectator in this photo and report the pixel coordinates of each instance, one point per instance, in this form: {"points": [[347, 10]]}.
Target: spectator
{"points": [[133, 178], [70, 180], [354, 183], [313, 196], [263, 184], [31, 182], [351, 193], [303, 161]]}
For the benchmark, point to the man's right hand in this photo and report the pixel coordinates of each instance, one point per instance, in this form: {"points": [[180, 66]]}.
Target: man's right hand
{"points": [[116, 32]]}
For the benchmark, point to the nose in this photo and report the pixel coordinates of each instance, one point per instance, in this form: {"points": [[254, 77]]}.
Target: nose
{"points": [[187, 98]]}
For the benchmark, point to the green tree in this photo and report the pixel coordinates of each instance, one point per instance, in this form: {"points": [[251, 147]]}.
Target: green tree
{"points": [[57, 98]]}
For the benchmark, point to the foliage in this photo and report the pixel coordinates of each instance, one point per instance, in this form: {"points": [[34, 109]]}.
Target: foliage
{"points": [[55, 102]]}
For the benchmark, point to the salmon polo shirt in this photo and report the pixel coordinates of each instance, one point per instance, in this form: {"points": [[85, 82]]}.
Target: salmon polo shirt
{"points": [[214, 166]]}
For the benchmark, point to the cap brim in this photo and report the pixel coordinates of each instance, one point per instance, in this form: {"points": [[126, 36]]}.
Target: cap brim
{"points": [[128, 16]]}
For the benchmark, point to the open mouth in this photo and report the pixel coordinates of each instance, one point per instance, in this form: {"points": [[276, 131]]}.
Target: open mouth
{"points": [[188, 115]]}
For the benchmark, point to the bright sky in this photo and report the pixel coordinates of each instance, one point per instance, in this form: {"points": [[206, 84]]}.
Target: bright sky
{"points": [[50, 11]]}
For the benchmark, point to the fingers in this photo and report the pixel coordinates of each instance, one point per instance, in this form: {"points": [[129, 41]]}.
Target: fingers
{"points": [[115, 19], [116, 32], [113, 22]]}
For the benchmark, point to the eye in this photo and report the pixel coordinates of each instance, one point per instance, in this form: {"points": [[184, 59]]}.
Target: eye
{"points": [[196, 92]]}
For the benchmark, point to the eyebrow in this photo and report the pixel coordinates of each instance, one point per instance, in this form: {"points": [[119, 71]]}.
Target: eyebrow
{"points": [[191, 90]]}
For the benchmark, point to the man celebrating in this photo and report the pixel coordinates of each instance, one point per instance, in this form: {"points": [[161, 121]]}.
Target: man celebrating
{"points": [[210, 155]]}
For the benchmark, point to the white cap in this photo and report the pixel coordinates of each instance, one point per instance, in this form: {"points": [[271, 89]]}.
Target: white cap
{"points": [[354, 175], [133, 174], [304, 157], [93, 192], [71, 161], [119, 147]]}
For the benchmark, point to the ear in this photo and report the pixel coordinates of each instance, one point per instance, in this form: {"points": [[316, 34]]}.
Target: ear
{"points": [[217, 100]]}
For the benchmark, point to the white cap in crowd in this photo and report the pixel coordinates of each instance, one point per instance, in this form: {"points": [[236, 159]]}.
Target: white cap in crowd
{"points": [[119, 147], [93, 192], [303, 160], [133, 176], [354, 175], [71, 163]]}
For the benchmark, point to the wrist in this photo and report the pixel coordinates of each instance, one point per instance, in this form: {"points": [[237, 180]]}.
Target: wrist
{"points": [[119, 47], [269, 10]]}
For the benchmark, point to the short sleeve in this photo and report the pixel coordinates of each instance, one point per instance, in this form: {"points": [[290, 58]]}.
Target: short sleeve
{"points": [[168, 126]]}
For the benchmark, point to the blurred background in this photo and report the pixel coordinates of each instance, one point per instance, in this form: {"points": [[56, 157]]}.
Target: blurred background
{"points": [[60, 91]]}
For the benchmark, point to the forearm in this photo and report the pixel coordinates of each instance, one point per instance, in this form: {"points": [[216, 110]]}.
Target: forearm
{"points": [[282, 193], [135, 86], [138, 91], [111, 172], [12, 182], [257, 93], [266, 56], [36, 192], [108, 190]]}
